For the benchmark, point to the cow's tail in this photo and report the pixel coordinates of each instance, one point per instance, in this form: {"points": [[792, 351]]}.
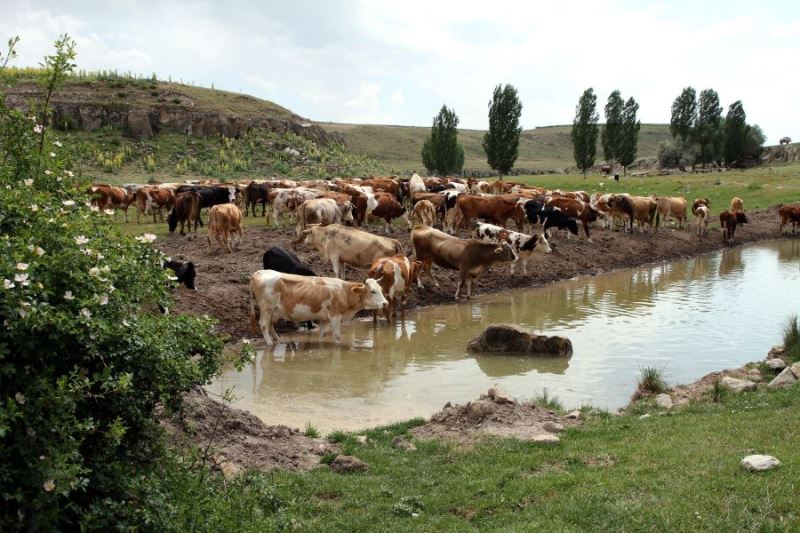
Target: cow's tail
{"points": [[253, 311], [398, 248], [658, 217]]}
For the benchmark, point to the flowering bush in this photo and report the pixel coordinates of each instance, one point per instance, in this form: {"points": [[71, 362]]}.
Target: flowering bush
{"points": [[85, 358]]}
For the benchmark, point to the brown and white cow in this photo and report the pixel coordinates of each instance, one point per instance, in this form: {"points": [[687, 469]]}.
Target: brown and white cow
{"points": [[670, 207], [322, 211], [286, 201], [224, 223], [110, 197], [789, 213], [737, 205], [395, 275], [469, 256], [343, 246], [729, 220], [701, 215], [154, 200], [522, 244], [304, 298], [423, 214], [577, 209], [388, 209], [642, 209]]}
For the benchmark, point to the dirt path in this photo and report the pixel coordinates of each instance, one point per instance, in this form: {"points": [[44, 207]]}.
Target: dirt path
{"points": [[223, 280]]}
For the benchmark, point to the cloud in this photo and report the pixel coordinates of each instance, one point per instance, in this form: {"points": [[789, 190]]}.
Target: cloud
{"points": [[397, 98]]}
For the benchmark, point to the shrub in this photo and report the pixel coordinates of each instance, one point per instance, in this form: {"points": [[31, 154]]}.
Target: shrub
{"points": [[791, 337], [675, 154], [651, 380]]}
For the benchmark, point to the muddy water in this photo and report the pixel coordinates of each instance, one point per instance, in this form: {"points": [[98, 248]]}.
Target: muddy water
{"points": [[690, 317]]}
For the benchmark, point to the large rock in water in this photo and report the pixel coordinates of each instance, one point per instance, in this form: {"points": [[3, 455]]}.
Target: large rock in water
{"points": [[508, 338]]}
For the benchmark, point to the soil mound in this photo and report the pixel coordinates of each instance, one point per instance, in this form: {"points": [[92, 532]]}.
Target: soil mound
{"points": [[239, 438], [491, 415]]}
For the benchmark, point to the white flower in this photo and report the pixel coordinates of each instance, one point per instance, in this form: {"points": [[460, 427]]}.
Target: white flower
{"points": [[102, 299], [49, 485], [23, 313], [21, 278], [20, 398], [58, 143], [146, 238], [47, 172], [125, 323], [94, 271], [52, 154], [28, 182], [246, 341], [39, 251], [38, 128], [105, 268], [68, 203], [69, 173], [68, 295], [8, 284], [108, 211], [22, 266], [34, 207], [80, 239], [95, 208], [85, 313]]}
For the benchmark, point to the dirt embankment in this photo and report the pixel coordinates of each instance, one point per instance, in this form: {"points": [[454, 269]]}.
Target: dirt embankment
{"points": [[223, 279]]}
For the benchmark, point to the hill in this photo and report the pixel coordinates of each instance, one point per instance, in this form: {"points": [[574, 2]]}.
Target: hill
{"points": [[546, 148]]}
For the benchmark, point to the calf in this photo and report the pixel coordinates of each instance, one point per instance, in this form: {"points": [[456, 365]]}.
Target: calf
{"points": [[303, 298], [729, 220], [185, 211], [670, 206], [577, 209], [549, 217], [789, 213], [395, 275], [470, 257], [388, 208], [224, 222], [701, 215], [184, 272], [153, 200], [254, 194], [522, 244]]}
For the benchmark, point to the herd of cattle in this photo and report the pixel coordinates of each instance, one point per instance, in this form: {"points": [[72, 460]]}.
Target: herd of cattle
{"points": [[329, 215]]}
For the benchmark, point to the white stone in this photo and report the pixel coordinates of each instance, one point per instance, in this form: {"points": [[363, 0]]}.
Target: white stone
{"points": [[574, 415], [757, 463], [546, 438], [737, 385], [784, 379], [362, 439], [664, 401], [552, 427], [499, 395], [646, 415], [796, 370], [776, 364]]}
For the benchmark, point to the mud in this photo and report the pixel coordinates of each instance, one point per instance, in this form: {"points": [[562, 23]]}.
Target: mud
{"points": [[223, 279], [239, 440]]}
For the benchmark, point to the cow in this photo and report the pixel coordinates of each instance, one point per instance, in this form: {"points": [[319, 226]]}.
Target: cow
{"points": [[599, 202], [522, 244], [449, 211], [701, 215], [286, 201], [469, 256], [423, 214], [343, 246], [639, 208], [479, 186], [395, 275], [282, 260], [153, 200], [548, 216], [670, 206], [789, 213], [388, 209], [211, 195], [389, 185], [737, 205], [304, 298], [322, 211], [496, 209], [110, 197], [184, 272], [729, 220], [785, 140], [186, 210], [416, 184], [577, 209], [254, 194], [224, 222]]}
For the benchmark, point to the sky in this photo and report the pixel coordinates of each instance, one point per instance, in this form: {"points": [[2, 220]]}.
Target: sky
{"points": [[381, 62]]}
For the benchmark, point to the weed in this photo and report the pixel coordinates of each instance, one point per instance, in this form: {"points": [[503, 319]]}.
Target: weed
{"points": [[311, 431], [718, 392], [337, 436], [408, 506], [651, 380], [791, 337], [543, 399], [753, 186]]}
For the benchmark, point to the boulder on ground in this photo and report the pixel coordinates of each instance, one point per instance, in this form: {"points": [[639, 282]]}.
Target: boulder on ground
{"points": [[664, 401], [776, 364], [574, 415], [344, 464], [498, 395], [786, 378], [508, 338], [553, 427], [737, 385], [758, 463], [546, 438]]}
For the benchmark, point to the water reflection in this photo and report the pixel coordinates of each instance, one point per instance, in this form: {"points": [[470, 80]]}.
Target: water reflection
{"points": [[617, 322]]}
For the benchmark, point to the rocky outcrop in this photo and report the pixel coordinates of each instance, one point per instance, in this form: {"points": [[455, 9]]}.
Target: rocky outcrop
{"points": [[784, 153], [787, 377], [508, 338]]}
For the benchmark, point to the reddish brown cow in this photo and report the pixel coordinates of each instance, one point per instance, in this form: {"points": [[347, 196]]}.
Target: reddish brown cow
{"points": [[154, 200], [729, 220], [494, 209], [385, 185], [110, 197], [789, 213], [185, 211], [574, 208], [388, 209]]}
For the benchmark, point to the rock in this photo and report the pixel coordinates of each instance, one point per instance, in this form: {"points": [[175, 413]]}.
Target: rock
{"points": [[291, 151], [553, 427], [796, 370], [229, 470], [758, 463], [508, 338], [646, 415], [664, 401], [362, 439], [402, 444], [138, 124], [784, 379], [574, 415], [498, 395], [546, 438], [778, 349], [480, 409], [344, 464], [737, 385], [776, 364]]}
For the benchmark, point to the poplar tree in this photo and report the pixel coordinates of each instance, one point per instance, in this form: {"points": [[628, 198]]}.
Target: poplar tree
{"points": [[610, 136], [442, 154], [584, 131], [684, 114], [709, 115], [501, 142], [629, 135], [735, 133]]}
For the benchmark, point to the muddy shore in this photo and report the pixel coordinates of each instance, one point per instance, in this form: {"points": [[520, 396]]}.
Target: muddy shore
{"points": [[223, 279]]}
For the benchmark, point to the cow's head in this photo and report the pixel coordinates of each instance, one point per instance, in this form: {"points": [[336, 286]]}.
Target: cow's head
{"points": [[347, 210], [371, 294], [313, 235], [172, 221], [741, 218]]}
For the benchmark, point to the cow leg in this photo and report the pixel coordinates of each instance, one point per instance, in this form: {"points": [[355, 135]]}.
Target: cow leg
{"points": [[265, 323], [586, 230], [469, 286], [336, 326], [458, 286]]}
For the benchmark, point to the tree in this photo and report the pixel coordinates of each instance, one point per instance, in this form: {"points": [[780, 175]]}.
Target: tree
{"points": [[684, 114], [612, 131], [442, 153], [709, 115], [735, 133], [629, 135], [753, 142], [584, 130], [501, 142]]}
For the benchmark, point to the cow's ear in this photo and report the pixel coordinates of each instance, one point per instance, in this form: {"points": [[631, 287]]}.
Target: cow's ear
{"points": [[358, 289]]}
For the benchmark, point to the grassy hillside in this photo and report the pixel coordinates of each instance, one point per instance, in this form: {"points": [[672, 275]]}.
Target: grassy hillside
{"points": [[398, 147]]}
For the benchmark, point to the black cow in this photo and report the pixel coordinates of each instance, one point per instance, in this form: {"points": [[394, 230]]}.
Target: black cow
{"points": [[185, 272], [211, 195], [537, 213], [282, 260], [256, 193]]}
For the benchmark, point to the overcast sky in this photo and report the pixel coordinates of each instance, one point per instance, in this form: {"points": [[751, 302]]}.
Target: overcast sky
{"points": [[395, 62]]}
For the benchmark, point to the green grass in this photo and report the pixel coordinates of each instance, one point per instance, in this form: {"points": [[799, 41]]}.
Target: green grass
{"points": [[651, 380], [791, 337], [677, 472], [546, 400]]}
